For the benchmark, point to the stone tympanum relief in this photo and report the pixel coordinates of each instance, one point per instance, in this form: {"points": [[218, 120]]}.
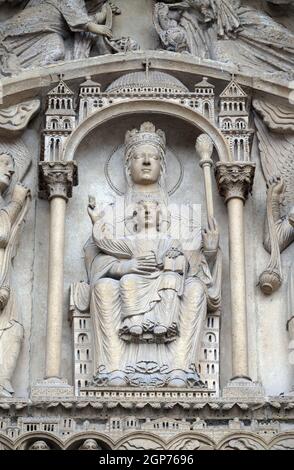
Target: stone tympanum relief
{"points": [[230, 31], [150, 292], [172, 35], [38, 35], [226, 31], [12, 213]]}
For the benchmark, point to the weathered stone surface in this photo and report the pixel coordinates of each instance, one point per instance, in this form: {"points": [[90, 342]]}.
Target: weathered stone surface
{"points": [[119, 99]]}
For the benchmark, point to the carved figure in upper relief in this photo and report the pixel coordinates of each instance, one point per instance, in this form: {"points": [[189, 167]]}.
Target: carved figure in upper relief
{"points": [[12, 215], [172, 35], [149, 292], [259, 42], [36, 36]]}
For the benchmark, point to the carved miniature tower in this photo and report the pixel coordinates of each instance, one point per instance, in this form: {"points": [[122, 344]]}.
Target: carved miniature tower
{"points": [[209, 355], [234, 120], [90, 98], [205, 94], [81, 323], [60, 121]]}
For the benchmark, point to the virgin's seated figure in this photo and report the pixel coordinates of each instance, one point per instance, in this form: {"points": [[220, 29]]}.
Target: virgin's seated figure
{"points": [[150, 291]]}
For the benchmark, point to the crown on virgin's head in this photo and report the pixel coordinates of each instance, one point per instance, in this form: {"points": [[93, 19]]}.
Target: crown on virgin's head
{"points": [[147, 134]]}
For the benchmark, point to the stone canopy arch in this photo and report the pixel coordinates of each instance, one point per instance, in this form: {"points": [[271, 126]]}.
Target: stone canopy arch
{"points": [[152, 106], [27, 439], [77, 440]]}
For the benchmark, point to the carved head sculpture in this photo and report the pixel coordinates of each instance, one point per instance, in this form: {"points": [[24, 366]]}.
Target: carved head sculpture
{"points": [[39, 445], [90, 444], [147, 215], [150, 214], [145, 154], [7, 170]]}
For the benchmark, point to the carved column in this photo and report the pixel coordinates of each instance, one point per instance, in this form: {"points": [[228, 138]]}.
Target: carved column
{"points": [[235, 182], [204, 147], [56, 182]]}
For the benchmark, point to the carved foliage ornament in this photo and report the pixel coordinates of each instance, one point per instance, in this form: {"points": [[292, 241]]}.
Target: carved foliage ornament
{"points": [[56, 179], [234, 180]]}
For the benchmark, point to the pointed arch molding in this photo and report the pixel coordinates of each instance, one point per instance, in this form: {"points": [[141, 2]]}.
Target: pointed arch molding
{"points": [[148, 105]]}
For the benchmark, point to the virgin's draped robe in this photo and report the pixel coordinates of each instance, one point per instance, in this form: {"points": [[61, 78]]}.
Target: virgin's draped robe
{"points": [[178, 301]]}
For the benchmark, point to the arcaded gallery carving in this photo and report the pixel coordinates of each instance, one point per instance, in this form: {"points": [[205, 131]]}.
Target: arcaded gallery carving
{"points": [[146, 221]]}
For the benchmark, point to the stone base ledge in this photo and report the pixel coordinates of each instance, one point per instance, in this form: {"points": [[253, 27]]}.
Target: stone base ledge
{"points": [[130, 394], [279, 407]]}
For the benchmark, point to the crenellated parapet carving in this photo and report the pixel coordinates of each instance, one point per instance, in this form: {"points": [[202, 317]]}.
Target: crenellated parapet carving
{"points": [[235, 180], [57, 179]]}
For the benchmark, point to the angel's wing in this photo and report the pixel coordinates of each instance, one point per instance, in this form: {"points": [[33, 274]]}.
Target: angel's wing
{"points": [[15, 119], [277, 157]]}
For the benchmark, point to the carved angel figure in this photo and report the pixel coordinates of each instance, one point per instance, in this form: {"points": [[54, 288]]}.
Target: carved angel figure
{"points": [[276, 152], [172, 35], [12, 215], [276, 144], [36, 35], [228, 31], [149, 293]]}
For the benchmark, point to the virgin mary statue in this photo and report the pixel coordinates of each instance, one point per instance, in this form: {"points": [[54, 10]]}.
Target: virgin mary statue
{"points": [[150, 292]]}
